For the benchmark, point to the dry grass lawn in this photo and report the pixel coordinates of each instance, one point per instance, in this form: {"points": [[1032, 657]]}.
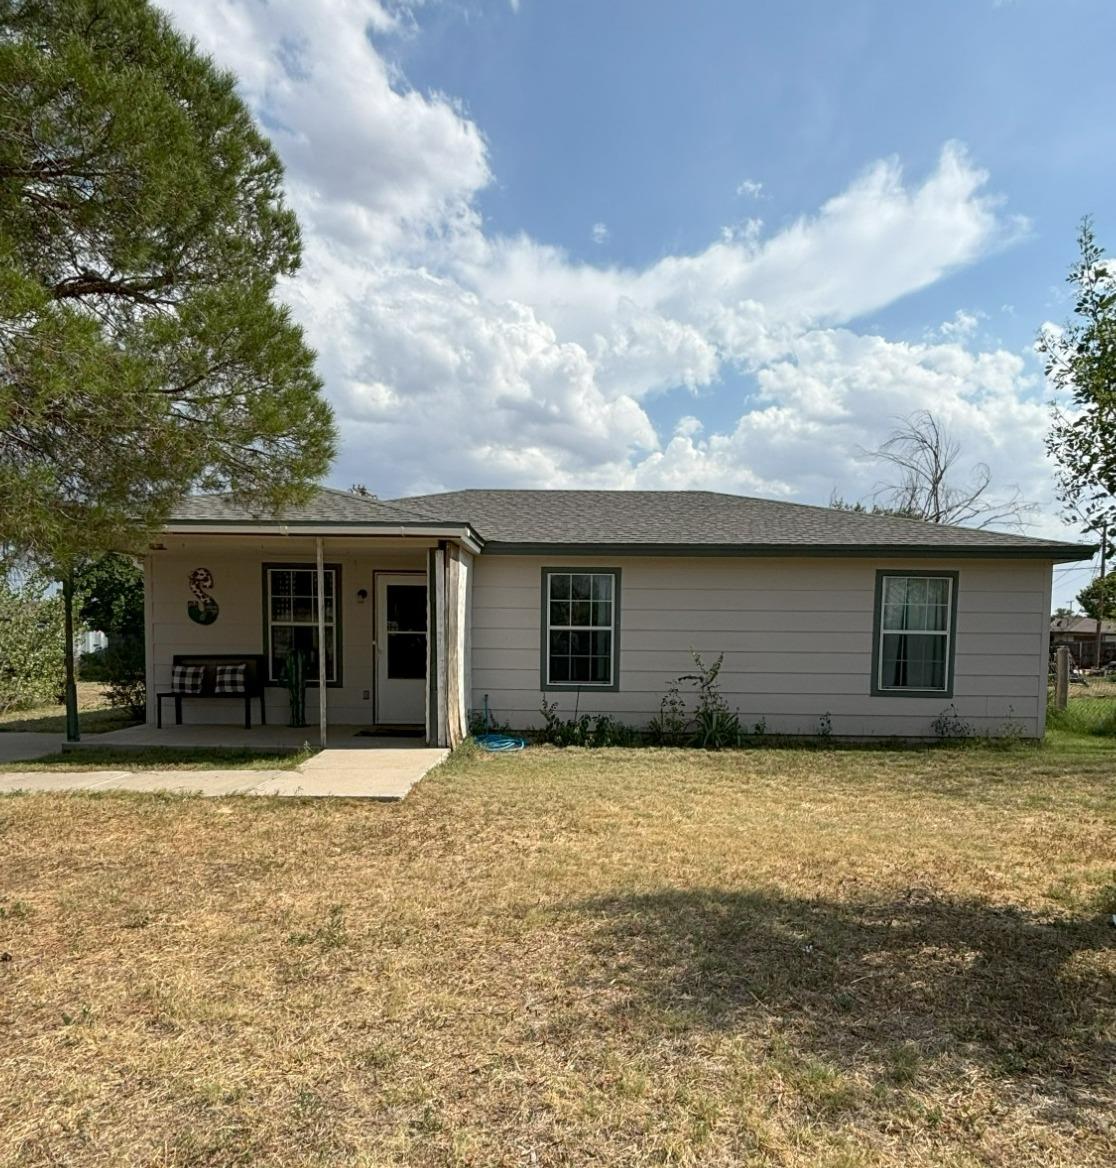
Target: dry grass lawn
{"points": [[771, 957]]}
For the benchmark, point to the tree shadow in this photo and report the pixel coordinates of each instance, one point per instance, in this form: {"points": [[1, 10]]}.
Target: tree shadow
{"points": [[856, 983]]}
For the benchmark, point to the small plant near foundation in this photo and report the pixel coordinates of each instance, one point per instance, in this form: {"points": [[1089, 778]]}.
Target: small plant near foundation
{"points": [[480, 722], [584, 729], [1011, 730], [715, 725], [949, 726], [825, 726], [670, 727]]}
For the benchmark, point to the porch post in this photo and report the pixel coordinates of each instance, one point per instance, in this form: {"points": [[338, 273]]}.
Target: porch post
{"points": [[322, 671]]}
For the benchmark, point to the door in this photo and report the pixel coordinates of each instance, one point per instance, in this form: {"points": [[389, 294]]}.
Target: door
{"points": [[400, 648]]}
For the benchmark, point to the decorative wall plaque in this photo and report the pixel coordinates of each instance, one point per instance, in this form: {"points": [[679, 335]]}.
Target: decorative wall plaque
{"points": [[204, 609]]}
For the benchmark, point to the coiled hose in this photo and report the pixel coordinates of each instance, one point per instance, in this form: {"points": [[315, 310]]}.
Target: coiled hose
{"points": [[496, 743]]}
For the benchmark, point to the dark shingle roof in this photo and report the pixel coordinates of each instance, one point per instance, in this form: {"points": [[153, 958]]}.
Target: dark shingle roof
{"points": [[639, 521], [326, 506], [663, 519]]}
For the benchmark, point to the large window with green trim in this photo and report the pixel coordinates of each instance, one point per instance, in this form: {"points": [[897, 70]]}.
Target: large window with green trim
{"points": [[914, 642], [581, 628]]}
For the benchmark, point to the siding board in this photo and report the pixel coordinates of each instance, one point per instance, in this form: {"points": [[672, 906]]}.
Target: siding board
{"points": [[797, 638]]}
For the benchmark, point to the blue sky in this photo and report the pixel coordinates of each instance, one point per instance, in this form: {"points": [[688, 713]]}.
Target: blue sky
{"points": [[717, 245]]}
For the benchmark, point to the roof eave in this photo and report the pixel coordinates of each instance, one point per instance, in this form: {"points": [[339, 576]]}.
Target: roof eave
{"points": [[1055, 553], [315, 527]]}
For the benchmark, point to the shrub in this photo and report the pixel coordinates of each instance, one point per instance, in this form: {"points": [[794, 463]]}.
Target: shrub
{"points": [[32, 639], [122, 664], [715, 725], [584, 729], [949, 725]]}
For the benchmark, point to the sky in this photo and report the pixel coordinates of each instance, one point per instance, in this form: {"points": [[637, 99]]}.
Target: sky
{"points": [[723, 245]]}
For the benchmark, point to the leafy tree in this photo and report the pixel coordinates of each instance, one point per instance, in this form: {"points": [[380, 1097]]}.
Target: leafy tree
{"points": [[142, 231], [31, 642], [110, 592], [1098, 598], [1080, 361]]}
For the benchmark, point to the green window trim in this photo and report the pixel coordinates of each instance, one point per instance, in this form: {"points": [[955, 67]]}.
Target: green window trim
{"points": [[877, 689], [265, 583], [613, 628]]}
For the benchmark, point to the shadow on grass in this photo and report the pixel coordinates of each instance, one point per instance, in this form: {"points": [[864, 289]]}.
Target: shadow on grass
{"points": [[870, 984], [92, 722]]}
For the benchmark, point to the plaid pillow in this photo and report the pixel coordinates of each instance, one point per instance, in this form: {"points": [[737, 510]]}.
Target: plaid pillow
{"points": [[187, 679], [230, 679]]}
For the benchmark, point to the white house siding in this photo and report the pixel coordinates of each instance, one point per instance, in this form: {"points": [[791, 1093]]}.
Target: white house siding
{"points": [[238, 589], [796, 634]]}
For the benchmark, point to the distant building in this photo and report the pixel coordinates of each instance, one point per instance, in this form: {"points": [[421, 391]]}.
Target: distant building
{"points": [[1079, 635], [91, 642]]}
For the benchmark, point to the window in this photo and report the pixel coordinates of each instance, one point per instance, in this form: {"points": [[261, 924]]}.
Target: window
{"points": [[914, 632], [291, 618], [405, 631], [581, 622]]}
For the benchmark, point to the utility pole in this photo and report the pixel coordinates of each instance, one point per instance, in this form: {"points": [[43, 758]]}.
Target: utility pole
{"points": [[1102, 591]]}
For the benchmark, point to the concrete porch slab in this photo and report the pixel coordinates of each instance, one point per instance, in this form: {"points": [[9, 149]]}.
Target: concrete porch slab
{"points": [[264, 739]]}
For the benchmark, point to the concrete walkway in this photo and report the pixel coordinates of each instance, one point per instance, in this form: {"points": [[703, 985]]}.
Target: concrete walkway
{"points": [[385, 774]]}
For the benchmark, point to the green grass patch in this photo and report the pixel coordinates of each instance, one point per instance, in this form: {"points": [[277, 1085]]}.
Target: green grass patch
{"points": [[1090, 716]]}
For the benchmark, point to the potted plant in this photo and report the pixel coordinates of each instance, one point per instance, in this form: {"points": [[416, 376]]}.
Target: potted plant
{"points": [[294, 674]]}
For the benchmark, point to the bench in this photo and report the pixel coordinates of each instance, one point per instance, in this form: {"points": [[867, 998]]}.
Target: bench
{"points": [[253, 684]]}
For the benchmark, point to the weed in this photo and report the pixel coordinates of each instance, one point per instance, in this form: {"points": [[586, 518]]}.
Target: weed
{"points": [[950, 726], [670, 727], [330, 934], [715, 725]]}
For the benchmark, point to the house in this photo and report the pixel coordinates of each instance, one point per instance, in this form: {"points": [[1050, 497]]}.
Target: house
{"points": [[1079, 635], [437, 605]]}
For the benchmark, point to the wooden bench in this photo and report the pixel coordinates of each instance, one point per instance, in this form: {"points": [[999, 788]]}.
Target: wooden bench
{"points": [[253, 684]]}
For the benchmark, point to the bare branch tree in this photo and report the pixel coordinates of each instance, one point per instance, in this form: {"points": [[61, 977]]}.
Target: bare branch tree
{"points": [[926, 482]]}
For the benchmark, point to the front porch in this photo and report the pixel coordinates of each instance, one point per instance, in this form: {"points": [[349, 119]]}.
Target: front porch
{"points": [[379, 619]]}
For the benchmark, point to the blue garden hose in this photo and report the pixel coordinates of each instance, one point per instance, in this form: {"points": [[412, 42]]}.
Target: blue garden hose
{"points": [[496, 743]]}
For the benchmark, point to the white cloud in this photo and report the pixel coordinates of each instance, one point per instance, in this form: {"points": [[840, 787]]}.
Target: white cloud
{"points": [[962, 325], [600, 233], [455, 356], [751, 188]]}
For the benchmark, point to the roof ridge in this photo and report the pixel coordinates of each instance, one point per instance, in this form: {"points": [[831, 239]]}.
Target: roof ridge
{"points": [[371, 500]]}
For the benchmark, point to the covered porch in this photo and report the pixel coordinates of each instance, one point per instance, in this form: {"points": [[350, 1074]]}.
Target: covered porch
{"points": [[379, 618]]}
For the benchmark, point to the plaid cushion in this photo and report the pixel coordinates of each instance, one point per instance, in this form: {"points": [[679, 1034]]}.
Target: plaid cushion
{"points": [[187, 679], [230, 679]]}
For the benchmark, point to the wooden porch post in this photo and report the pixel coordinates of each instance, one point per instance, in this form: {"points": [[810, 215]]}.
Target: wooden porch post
{"points": [[322, 670]]}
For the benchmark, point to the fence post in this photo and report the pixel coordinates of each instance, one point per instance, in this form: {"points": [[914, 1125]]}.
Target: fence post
{"points": [[1061, 677]]}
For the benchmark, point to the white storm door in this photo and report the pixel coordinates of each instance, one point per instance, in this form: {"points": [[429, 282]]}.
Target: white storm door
{"points": [[400, 648]]}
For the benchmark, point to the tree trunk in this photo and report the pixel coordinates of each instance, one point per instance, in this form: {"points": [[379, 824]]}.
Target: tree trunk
{"points": [[73, 727]]}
